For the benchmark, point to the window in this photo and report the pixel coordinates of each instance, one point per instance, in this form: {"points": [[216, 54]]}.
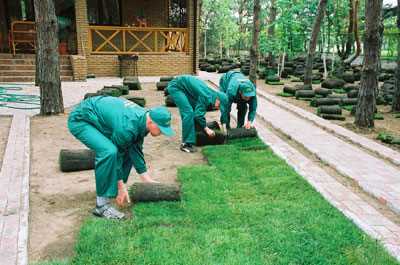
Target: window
{"points": [[178, 13], [104, 12]]}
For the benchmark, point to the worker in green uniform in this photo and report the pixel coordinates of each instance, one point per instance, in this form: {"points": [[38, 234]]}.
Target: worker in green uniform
{"points": [[114, 129], [241, 91], [193, 97]]}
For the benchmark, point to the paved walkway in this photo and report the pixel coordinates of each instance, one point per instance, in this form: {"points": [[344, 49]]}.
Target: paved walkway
{"points": [[374, 175], [14, 194]]}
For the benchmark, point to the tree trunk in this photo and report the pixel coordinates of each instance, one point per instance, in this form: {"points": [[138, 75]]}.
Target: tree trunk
{"points": [[254, 48], [369, 78], [313, 42], [271, 27], [51, 101], [350, 30], [396, 97], [356, 34]]}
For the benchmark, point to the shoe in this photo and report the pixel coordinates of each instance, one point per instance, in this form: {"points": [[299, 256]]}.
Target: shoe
{"points": [[188, 148], [109, 212]]}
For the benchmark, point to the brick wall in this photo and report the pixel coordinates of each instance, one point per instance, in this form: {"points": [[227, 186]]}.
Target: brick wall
{"points": [[170, 63], [79, 67]]}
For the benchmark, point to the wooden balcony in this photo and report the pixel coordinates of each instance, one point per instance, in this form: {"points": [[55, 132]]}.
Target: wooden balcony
{"points": [[131, 40]]}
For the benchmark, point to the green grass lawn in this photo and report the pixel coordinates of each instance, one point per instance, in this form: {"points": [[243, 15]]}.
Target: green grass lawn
{"points": [[246, 207]]}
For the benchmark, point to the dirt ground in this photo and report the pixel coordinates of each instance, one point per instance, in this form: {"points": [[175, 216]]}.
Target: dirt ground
{"points": [[389, 125], [5, 123], [59, 202]]}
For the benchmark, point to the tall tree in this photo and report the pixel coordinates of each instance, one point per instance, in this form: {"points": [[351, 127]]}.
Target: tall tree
{"points": [[254, 48], [271, 26], [313, 42], [350, 30], [369, 78], [51, 100], [356, 33], [396, 97]]}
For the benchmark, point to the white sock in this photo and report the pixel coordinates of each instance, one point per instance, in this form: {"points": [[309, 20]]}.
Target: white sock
{"points": [[101, 201]]}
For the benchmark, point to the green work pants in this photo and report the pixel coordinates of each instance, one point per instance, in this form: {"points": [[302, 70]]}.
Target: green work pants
{"points": [[241, 114], [111, 165], [187, 115]]}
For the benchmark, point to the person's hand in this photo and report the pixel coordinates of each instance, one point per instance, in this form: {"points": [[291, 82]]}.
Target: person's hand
{"points": [[221, 127], [147, 179], [209, 132], [248, 125], [123, 195]]}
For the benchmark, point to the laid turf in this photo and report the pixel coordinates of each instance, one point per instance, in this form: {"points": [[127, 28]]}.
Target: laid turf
{"points": [[246, 206]]}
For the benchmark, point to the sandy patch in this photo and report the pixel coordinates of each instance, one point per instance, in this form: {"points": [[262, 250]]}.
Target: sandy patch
{"points": [[61, 201], [389, 125]]}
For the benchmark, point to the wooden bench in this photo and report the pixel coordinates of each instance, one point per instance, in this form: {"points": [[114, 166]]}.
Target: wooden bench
{"points": [[22, 32]]}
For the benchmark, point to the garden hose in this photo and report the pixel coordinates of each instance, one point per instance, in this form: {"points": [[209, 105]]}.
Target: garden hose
{"points": [[32, 101]]}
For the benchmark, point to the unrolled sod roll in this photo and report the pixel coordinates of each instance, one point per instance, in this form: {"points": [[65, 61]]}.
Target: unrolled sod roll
{"points": [[76, 160]]}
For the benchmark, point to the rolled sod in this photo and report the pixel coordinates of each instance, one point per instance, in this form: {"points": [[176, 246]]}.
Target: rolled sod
{"points": [[352, 94], [202, 139], [285, 95], [323, 92], [90, 95], [241, 133], [349, 101], [154, 192], [166, 78], [162, 85], [132, 82], [325, 102], [123, 89], [289, 90], [213, 125], [335, 109], [333, 83], [141, 101], [76, 160], [169, 102], [110, 91], [333, 117], [305, 94]]}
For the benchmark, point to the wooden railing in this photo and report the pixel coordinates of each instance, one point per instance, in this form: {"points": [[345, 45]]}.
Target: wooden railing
{"points": [[130, 40]]}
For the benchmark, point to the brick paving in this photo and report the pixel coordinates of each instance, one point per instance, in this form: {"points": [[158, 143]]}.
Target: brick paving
{"points": [[14, 194]]}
